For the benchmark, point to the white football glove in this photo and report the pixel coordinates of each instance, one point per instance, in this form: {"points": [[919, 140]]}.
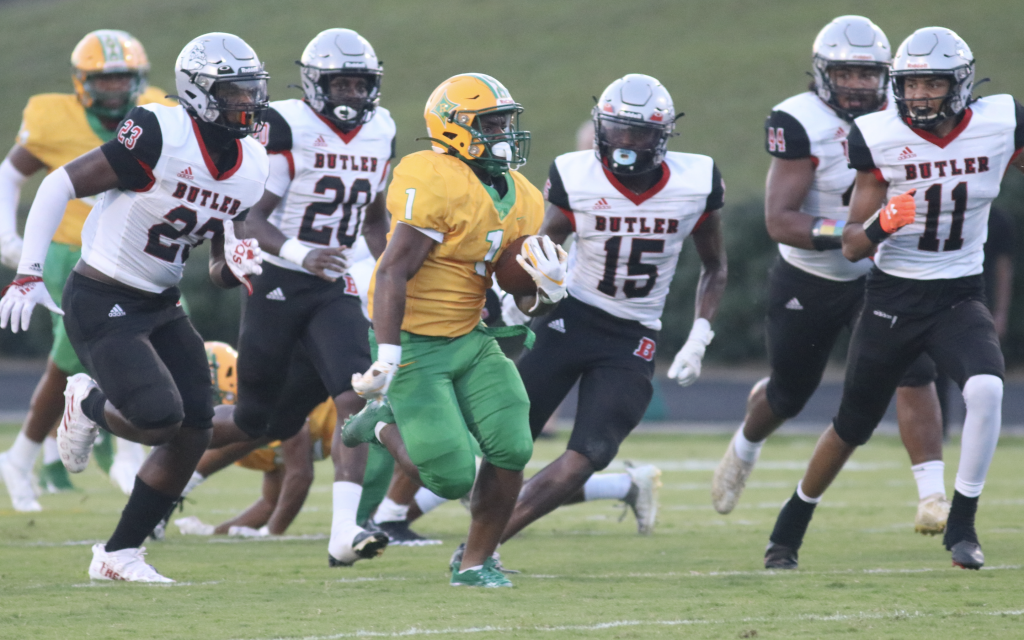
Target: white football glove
{"points": [[10, 250], [545, 262], [374, 384], [685, 367], [242, 255], [20, 297]]}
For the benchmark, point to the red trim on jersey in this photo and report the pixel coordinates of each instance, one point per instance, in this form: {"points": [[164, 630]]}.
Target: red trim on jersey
{"points": [[212, 168], [570, 215], [149, 172], [942, 143], [878, 174], [704, 216], [1016, 152], [287, 153], [345, 137], [384, 174], [815, 161], [638, 198]]}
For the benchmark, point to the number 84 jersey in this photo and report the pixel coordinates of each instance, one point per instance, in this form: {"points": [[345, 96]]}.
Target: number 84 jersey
{"points": [[628, 244], [325, 177]]}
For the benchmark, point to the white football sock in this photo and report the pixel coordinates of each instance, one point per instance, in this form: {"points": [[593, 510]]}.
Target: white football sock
{"points": [[129, 451], [746, 450], [929, 477], [607, 486], [193, 482], [391, 511], [23, 452], [346, 504], [50, 451], [983, 395], [427, 500], [803, 496]]}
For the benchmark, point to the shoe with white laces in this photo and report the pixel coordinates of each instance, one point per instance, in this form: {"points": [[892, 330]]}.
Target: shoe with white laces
{"points": [[932, 513], [643, 496], [76, 433], [193, 526], [127, 564], [729, 480], [19, 485], [361, 546]]}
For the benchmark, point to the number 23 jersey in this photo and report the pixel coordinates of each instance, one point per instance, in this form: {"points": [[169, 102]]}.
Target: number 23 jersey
{"points": [[956, 179], [328, 177], [170, 199], [627, 244]]}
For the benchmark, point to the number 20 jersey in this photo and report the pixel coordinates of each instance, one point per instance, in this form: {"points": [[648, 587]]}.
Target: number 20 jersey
{"points": [[956, 178], [627, 244], [333, 175]]}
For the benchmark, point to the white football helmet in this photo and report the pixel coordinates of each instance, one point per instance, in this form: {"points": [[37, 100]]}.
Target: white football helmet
{"points": [[934, 51], [633, 120], [340, 52], [220, 80], [852, 41]]}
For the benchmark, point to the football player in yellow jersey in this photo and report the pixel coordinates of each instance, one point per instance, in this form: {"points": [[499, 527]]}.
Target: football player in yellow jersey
{"points": [[455, 209], [110, 71]]}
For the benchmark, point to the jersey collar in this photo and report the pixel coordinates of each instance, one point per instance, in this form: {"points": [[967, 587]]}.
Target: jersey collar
{"points": [[345, 137], [639, 198], [942, 143], [212, 168]]}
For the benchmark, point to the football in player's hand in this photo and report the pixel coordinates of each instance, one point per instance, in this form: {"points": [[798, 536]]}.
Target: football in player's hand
{"points": [[511, 277]]}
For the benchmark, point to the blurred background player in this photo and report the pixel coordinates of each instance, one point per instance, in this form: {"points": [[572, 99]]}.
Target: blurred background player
{"points": [[330, 155], [631, 204], [939, 160], [814, 292], [110, 75], [150, 380]]}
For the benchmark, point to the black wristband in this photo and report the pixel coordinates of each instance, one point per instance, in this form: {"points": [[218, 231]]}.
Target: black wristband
{"points": [[827, 234], [873, 230], [228, 277]]}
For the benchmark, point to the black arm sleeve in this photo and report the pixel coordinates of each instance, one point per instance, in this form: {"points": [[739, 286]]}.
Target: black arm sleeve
{"points": [[393, 141], [135, 150], [785, 137], [859, 154], [279, 134], [1018, 133], [554, 191], [716, 199]]}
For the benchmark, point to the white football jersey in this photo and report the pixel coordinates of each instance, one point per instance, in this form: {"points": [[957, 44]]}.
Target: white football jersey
{"points": [[333, 175], [627, 245], [956, 179], [142, 238], [804, 126]]}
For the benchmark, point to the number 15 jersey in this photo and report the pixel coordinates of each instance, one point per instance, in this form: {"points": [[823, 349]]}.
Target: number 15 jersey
{"points": [[628, 244], [328, 177]]}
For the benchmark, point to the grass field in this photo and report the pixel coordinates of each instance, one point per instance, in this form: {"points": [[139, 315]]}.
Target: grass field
{"points": [[864, 573]]}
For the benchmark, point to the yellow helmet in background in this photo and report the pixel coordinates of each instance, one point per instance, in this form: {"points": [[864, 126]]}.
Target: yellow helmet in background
{"points": [[452, 126], [111, 54], [223, 361]]}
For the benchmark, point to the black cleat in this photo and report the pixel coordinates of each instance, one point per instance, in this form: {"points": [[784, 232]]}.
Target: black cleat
{"points": [[366, 545], [400, 534], [778, 556], [968, 555]]}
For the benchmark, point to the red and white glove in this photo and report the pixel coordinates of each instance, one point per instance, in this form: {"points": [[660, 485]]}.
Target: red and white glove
{"points": [[374, 384], [898, 212], [545, 262], [20, 297], [242, 255], [686, 366]]}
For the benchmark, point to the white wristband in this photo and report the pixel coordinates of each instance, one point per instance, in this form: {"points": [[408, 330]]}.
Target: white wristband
{"points": [[701, 332], [390, 353], [294, 251]]}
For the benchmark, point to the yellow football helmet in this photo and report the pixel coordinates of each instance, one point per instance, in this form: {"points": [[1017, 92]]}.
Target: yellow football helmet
{"points": [[452, 113], [109, 54], [223, 361]]}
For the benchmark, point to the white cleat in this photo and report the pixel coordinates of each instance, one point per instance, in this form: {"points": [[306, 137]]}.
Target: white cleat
{"points": [[643, 496], [932, 513], [729, 480], [193, 526], [19, 485], [127, 564], [122, 474], [241, 531], [76, 433], [343, 551]]}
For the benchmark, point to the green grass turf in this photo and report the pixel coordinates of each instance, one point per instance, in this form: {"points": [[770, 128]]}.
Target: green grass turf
{"points": [[864, 573]]}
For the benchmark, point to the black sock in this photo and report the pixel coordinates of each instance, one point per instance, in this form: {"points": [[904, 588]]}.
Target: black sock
{"points": [[146, 506], [92, 407], [960, 525], [792, 523]]}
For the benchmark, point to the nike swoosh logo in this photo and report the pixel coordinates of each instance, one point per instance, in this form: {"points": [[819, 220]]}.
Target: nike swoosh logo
{"points": [[402, 366]]}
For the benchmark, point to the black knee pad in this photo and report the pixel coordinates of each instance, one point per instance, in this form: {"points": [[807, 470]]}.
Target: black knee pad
{"points": [[788, 399], [853, 432], [612, 402], [251, 417], [153, 407]]}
